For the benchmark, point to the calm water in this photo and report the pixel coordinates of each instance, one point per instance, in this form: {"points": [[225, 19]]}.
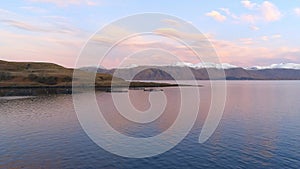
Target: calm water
{"points": [[260, 128]]}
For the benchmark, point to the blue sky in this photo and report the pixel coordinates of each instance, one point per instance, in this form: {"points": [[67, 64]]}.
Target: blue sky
{"points": [[244, 33]]}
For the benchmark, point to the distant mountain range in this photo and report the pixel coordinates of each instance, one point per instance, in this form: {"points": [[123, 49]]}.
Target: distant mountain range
{"points": [[283, 71]]}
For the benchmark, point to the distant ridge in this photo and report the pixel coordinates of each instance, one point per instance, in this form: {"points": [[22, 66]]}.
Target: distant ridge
{"points": [[283, 71], [230, 66]]}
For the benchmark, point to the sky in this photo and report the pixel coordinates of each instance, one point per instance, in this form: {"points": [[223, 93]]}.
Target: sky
{"points": [[243, 33]]}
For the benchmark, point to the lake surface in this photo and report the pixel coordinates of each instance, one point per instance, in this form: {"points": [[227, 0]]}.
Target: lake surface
{"points": [[260, 128]]}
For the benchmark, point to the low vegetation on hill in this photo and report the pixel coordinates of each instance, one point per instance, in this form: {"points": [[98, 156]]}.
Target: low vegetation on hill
{"points": [[21, 74]]}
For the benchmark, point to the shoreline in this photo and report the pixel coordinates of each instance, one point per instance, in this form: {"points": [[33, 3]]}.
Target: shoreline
{"points": [[52, 90]]}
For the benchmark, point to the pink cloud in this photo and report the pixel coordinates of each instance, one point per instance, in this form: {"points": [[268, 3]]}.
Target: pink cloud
{"points": [[248, 4], [264, 12], [55, 49], [297, 11], [216, 16], [270, 12], [253, 27]]}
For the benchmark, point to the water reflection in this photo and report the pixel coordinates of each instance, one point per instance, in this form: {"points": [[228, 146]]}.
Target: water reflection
{"points": [[259, 129]]}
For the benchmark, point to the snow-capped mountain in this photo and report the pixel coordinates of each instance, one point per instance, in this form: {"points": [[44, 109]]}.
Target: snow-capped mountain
{"points": [[230, 66], [223, 66], [277, 66], [205, 65]]}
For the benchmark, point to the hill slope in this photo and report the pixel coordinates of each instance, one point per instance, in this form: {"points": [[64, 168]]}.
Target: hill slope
{"points": [[22, 74]]}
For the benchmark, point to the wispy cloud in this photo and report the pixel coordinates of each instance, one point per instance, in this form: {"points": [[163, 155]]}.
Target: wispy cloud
{"points": [[40, 47], [171, 22], [265, 38], [216, 15], [276, 36], [22, 25], [297, 11], [44, 24], [248, 18], [243, 52], [33, 9], [63, 29], [169, 32], [248, 4], [270, 12], [247, 52], [253, 27], [271, 37], [5, 13], [246, 41], [256, 13], [229, 13], [64, 3], [265, 11], [49, 38]]}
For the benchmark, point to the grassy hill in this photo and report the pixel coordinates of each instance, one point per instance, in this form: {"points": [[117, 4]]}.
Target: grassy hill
{"points": [[30, 74]]}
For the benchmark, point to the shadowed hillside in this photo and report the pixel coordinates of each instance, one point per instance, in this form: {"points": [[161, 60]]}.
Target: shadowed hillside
{"points": [[32, 78]]}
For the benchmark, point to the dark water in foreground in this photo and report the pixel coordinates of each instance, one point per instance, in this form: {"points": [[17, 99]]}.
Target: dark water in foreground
{"points": [[260, 128]]}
